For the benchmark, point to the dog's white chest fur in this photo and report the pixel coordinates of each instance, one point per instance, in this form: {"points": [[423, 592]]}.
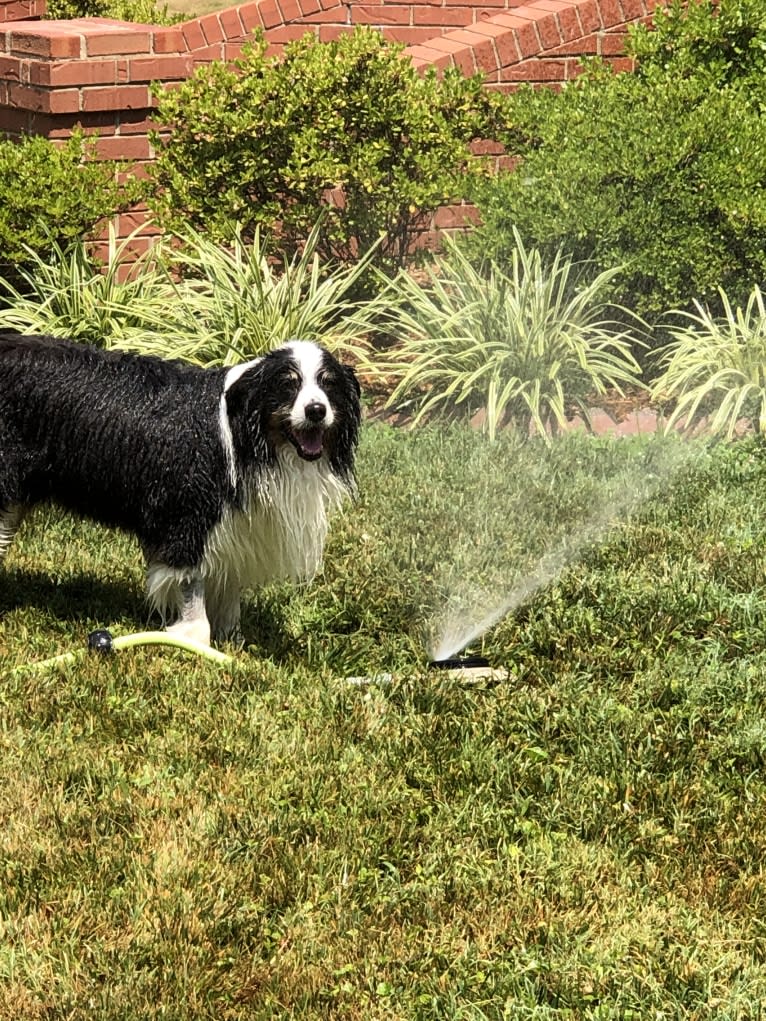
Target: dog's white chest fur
{"points": [[281, 531]]}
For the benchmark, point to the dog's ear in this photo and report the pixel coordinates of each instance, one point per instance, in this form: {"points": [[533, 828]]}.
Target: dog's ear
{"points": [[349, 422], [248, 416]]}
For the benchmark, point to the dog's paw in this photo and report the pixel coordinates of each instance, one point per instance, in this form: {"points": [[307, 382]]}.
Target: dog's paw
{"points": [[191, 630]]}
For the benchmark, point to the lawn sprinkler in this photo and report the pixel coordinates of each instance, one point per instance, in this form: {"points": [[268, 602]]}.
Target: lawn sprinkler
{"points": [[469, 669], [103, 643]]}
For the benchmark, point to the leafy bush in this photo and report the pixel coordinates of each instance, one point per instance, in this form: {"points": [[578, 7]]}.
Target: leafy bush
{"points": [[232, 302], [144, 12], [189, 298], [50, 197], [66, 293], [527, 345], [717, 367], [662, 172], [267, 143]]}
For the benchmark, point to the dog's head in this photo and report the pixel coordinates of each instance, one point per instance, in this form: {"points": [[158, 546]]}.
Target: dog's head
{"points": [[297, 396]]}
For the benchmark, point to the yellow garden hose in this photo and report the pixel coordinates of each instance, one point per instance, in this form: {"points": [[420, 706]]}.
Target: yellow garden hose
{"points": [[102, 643]]}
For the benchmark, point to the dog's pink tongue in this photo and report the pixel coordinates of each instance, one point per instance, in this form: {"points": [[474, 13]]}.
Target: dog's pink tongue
{"points": [[311, 441]]}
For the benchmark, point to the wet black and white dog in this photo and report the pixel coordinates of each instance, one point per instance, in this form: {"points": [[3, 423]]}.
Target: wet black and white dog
{"points": [[226, 476]]}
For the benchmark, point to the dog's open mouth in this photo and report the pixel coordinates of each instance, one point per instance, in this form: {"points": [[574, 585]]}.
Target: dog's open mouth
{"points": [[308, 442]]}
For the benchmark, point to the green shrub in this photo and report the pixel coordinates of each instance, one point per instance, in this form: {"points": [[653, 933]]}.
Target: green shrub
{"points": [[528, 345], [144, 12], [189, 297], [716, 367], [264, 143], [51, 196], [66, 293], [662, 172]]}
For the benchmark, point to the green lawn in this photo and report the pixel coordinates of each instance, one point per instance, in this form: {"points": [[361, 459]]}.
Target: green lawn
{"points": [[584, 839]]}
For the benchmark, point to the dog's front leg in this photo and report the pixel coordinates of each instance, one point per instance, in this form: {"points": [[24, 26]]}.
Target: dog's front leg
{"points": [[10, 520], [193, 622], [224, 609]]}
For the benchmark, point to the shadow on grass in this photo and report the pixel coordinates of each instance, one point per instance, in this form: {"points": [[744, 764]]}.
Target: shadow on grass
{"points": [[88, 598], [82, 596]]}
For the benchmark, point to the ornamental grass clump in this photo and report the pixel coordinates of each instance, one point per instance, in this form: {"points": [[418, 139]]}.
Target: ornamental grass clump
{"points": [[65, 292], [529, 345], [191, 297], [232, 301], [715, 367]]}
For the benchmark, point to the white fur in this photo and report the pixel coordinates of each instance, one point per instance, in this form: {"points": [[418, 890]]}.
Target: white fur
{"points": [[279, 535], [309, 359], [9, 523]]}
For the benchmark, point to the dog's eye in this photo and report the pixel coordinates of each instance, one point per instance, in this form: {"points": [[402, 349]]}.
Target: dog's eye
{"points": [[291, 378]]}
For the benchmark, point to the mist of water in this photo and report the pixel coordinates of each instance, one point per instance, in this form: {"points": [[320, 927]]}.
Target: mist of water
{"points": [[473, 611]]}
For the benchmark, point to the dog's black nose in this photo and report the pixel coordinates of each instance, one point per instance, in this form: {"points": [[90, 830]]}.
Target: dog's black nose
{"points": [[315, 412]]}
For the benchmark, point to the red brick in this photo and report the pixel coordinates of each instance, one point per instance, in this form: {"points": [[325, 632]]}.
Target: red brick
{"points": [[109, 40], [290, 10], [44, 39], [610, 13], [504, 39], [424, 57], [74, 72], [130, 147], [124, 97], [207, 53], [283, 34], [451, 217], [486, 148], [378, 14], [231, 26], [409, 36], [546, 24], [270, 14], [309, 7], [587, 11], [481, 46], [249, 17], [438, 17], [211, 28], [194, 37], [532, 70], [462, 55], [632, 9], [33, 98], [12, 120], [620, 64], [160, 68], [569, 24], [329, 33], [169, 40], [586, 45], [13, 69], [130, 122], [612, 45], [527, 39], [334, 16]]}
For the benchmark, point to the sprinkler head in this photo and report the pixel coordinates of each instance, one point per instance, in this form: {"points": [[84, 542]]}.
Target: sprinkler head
{"points": [[459, 663], [101, 642]]}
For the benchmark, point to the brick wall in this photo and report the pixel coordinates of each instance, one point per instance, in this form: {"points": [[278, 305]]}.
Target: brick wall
{"points": [[96, 72]]}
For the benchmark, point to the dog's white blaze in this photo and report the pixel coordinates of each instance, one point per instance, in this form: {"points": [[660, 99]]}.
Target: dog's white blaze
{"points": [[281, 532], [308, 358], [278, 536]]}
